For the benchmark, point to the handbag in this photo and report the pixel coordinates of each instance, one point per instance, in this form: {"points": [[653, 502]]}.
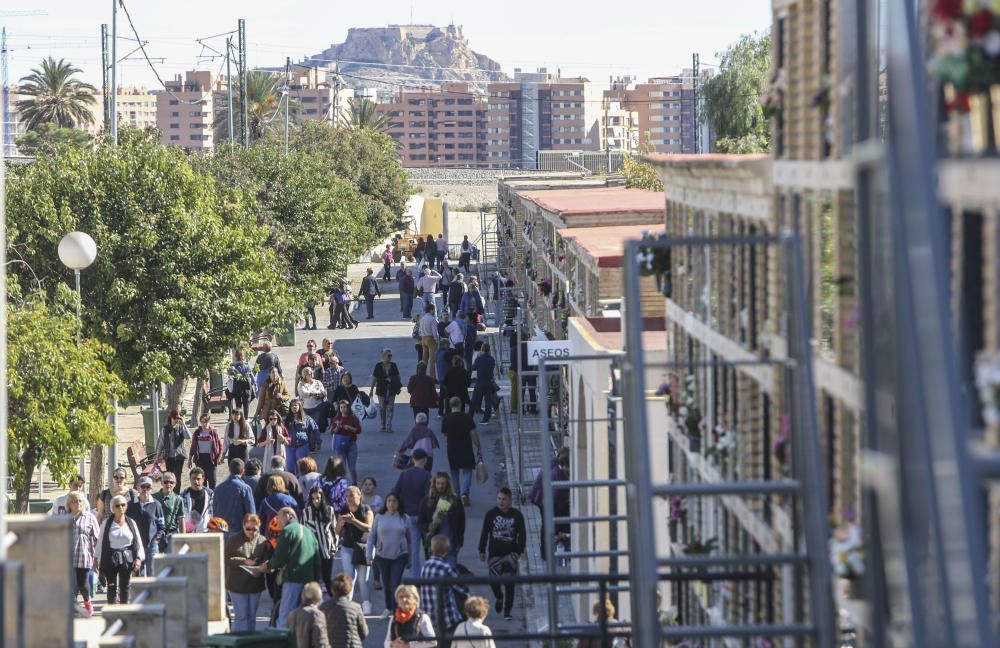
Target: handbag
{"points": [[401, 461], [482, 472]]}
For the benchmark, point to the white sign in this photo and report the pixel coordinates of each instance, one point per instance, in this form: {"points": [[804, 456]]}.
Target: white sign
{"points": [[551, 350]]}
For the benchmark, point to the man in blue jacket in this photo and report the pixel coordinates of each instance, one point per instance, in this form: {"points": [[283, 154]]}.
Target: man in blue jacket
{"points": [[484, 367], [234, 498]]}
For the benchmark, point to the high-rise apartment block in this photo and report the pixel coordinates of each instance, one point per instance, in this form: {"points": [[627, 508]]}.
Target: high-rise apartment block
{"points": [[665, 109], [185, 112], [443, 127]]}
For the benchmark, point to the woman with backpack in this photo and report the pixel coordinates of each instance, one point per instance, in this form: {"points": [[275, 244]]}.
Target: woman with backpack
{"points": [[420, 436], [302, 430], [242, 387], [239, 437], [386, 383]]}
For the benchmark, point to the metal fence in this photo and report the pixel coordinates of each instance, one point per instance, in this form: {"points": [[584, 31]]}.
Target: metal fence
{"points": [[589, 162]]}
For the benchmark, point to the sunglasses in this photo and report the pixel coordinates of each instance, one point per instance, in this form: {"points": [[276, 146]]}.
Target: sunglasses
{"points": [[144, 486], [119, 478], [121, 505], [251, 528]]}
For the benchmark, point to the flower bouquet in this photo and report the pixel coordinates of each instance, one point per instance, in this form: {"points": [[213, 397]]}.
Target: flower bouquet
{"points": [[846, 556]]}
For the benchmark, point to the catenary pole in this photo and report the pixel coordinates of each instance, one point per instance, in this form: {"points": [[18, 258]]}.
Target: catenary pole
{"points": [[229, 90], [288, 83], [3, 358], [244, 100], [114, 71]]}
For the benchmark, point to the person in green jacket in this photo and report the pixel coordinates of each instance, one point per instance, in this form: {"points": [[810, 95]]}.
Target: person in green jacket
{"points": [[173, 507], [297, 552]]}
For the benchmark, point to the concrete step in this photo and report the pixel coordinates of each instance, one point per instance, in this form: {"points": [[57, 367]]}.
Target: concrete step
{"points": [[87, 631]]}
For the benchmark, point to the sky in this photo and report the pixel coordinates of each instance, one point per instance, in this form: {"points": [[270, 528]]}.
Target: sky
{"points": [[644, 38]]}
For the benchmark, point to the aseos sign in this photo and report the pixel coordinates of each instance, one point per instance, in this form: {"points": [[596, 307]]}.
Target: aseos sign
{"points": [[551, 350]]}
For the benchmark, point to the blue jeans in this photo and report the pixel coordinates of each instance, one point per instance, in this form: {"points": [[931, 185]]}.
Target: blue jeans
{"points": [[417, 544], [392, 576], [466, 476], [407, 305], [347, 449], [147, 566], [358, 573], [318, 414], [291, 595], [244, 611], [292, 456]]}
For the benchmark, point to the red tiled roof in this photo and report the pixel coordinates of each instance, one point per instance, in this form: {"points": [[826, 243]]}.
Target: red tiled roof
{"points": [[606, 244], [596, 201]]}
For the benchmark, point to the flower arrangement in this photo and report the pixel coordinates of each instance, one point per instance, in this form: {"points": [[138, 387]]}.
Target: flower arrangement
{"points": [[965, 37], [988, 385], [846, 556], [678, 508], [723, 441], [782, 442], [655, 262], [688, 410]]}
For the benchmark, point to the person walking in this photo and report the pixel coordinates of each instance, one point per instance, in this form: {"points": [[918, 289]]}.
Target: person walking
{"points": [[427, 285], [420, 252], [264, 362], [442, 250], [348, 391], [274, 437], [442, 363], [456, 332], [85, 542], [389, 546], [234, 497], [198, 502], [346, 427], [429, 335], [274, 395], [349, 305], [482, 394], [447, 276], [308, 474], [440, 603], [407, 291], [463, 446], [387, 262], [501, 544], [119, 486], [303, 432], [345, 621], [297, 552], [412, 485], [310, 308], [242, 384], [319, 517], [465, 253], [277, 499], [206, 449], [386, 383], [369, 290], [331, 380], [560, 497], [59, 506], [421, 389], [312, 393], [338, 316], [120, 550], [409, 626], [476, 609], [472, 301], [456, 290], [456, 382], [442, 513], [352, 524], [170, 446], [173, 508], [239, 437], [420, 437], [430, 250], [308, 622], [246, 547], [148, 516], [471, 334], [335, 484]]}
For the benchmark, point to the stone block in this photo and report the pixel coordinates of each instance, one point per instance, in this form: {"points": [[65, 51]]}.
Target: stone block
{"points": [[87, 631], [192, 568], [171, 592], [213, 546], [12, 603], [46, 544], [146, 622]]}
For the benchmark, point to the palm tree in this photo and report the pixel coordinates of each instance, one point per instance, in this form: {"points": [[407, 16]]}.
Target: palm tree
{"points": [[55, 96], [361, 114], [264, 91]]}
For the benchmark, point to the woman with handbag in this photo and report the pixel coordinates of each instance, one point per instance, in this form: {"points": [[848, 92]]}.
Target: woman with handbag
{"points": [[239, 436], [274, 437], [170, 447], [386, 383], [346, 427], [242, 387], [320, 518], [348, 391], [303, 432], [351, 526], [274, 394], [121, 552]]}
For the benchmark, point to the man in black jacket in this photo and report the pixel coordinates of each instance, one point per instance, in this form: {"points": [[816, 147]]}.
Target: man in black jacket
{"points": [[291, 482], [369, 290], [502, 543]]}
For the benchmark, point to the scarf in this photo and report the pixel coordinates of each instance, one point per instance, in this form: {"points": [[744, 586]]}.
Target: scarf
{"points": [[403, 617]]}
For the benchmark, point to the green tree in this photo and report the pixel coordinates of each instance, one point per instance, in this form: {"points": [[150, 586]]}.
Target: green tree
{"points": [[732, 97], [264, 90], [639, 174], [55, 96], [361, 114], [182, 272], [60, 393], [368, 160], [46, 138]]}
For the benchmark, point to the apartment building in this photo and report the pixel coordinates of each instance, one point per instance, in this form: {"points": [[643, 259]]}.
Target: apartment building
{"points": [[664, 108], [186, 111], [443, 127], [136, 108]]}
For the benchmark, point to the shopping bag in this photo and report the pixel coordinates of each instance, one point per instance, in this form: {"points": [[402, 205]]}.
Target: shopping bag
{"points": [[482, 473], [372, 410], [358, 408]]}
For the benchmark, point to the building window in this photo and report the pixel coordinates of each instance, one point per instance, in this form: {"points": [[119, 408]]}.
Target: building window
{"points": [[175, 125], [175, 138]]}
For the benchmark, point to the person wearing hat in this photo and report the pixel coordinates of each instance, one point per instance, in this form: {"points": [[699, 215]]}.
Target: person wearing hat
{"points": [[413, 484], [147, 513]]}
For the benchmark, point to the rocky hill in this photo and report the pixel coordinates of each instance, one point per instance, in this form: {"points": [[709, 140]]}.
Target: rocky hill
{"points": [[421, 53]]}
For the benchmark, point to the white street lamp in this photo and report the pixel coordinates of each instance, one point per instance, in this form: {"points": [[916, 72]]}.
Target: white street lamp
{"points": [[77, 251]]}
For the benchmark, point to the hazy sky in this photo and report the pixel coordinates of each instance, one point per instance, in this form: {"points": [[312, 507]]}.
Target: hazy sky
{"points": [[644, 38]]}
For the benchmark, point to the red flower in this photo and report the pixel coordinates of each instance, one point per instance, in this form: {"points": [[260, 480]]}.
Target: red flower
{"points": [[947, 9], [980, 23], [960, 103]]}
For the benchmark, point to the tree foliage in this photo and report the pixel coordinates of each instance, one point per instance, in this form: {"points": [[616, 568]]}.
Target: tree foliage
{"points": [[361, 114], [182, 272], [639, 174], [732, 97], [55, 96], [60, 392], [316, 222], [368, 160], [264, 91], [45, 138]]}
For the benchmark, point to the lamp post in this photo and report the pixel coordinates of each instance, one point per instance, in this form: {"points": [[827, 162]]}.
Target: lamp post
{"points": [[78, 251]]}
